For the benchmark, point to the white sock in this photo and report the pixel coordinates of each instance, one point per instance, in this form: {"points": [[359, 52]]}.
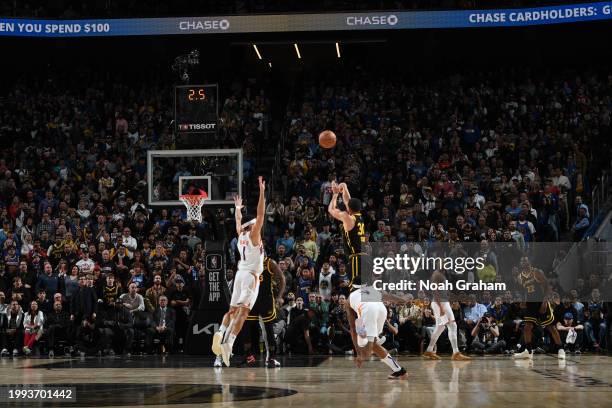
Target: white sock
{"points": [[391, 363], [227, 331], [452, 336], [222, 328], [434, 338], [231, 339]]}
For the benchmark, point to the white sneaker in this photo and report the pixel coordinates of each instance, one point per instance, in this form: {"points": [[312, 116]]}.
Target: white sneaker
{"points": [[561, 354], [524, 355], [216, 343], [226, 353], [15, 353], [273, 363], [218, 362], [4, 352]]}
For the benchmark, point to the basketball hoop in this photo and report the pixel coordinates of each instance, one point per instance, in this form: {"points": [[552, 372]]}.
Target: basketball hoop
{"points": [[194, 203]]}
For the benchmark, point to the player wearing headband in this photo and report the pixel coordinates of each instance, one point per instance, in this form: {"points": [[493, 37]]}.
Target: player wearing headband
{"points": [[246, 281]]}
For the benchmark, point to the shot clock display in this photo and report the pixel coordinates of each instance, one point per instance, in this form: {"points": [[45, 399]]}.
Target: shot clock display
{"points": [[195, 108]]}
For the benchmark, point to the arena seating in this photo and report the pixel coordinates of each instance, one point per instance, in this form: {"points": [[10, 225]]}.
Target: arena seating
{"points": [[502, 156], [460, 159]]}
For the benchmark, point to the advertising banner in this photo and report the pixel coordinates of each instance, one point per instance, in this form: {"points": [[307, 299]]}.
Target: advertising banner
{"points": [[275, 23]]}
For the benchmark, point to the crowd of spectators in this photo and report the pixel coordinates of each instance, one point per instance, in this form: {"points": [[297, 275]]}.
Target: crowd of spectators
{"points": [[489, 158], [86, 267], [497, 157], [487, 326]]}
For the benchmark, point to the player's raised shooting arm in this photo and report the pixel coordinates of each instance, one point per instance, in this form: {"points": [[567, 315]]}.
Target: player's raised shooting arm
{"points": [[339, 215], [346, 196], [278, 275], [261, 211], [238, 212], [332, 207]]}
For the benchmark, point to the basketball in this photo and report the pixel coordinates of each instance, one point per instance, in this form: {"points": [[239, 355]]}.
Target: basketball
{"points": [[327, 139]]}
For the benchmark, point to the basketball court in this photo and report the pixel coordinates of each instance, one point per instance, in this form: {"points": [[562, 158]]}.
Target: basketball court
{"points": [[322, 381]]}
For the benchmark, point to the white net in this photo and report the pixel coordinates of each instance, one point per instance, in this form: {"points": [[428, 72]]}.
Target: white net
{"points": [[194, 204]]}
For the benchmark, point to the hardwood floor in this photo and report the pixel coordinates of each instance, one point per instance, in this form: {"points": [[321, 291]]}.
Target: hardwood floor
{"points": [[321, 382]]}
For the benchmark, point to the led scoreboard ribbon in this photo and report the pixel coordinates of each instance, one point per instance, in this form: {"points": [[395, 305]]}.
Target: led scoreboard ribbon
{"points": [[389, 20]]}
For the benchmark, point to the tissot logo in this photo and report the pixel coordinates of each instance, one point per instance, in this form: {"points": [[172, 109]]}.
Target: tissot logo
{"points": [[198, 25], [372, 20], [183, 127]]}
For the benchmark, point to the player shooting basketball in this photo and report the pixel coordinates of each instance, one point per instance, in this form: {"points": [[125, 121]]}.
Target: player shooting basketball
{"points": [[246, 281], [366, 318]]}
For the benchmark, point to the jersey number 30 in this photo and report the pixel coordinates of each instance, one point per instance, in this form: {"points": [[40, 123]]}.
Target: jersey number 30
{"points": [[361, 230]]}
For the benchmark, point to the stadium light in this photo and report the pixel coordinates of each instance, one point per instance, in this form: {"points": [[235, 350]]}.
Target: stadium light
{"points": [[338, 50], [297, 50], [257, 51]]}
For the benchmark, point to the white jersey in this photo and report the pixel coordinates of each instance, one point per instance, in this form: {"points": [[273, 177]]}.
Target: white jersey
{"points": [[251, 256]]}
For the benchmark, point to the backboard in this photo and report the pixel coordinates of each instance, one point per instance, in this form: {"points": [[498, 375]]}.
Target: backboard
{"points": [[172, 172]]}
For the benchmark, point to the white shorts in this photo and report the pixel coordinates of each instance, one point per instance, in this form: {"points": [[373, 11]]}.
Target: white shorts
{"points": [[246, 289], [373, 315], [448, 313]]}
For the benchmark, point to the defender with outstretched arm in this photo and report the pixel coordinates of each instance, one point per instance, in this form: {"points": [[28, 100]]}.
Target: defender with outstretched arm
{"points": [[246, 281]]}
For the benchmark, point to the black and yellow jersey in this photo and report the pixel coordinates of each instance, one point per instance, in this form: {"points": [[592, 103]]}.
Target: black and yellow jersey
{"points": [[265, 305], [532, 287], [265, 279], [353, 241], [354, 238]]}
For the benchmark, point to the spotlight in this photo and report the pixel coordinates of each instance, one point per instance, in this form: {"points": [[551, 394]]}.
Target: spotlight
{"points": [[257, 51]]}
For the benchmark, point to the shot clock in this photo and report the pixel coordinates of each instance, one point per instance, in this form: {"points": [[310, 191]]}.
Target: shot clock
{"points": [[195, 108]]}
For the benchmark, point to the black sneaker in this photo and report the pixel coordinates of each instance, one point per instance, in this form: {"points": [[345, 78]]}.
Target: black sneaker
{"points": [[398, 375]]}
